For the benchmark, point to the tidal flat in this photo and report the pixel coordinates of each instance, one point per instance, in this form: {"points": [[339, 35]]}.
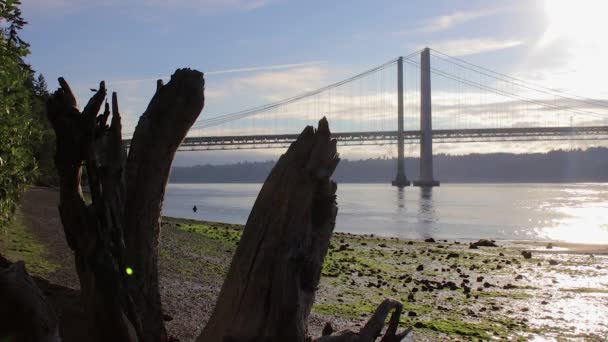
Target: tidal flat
{"points": [[449, 290]]}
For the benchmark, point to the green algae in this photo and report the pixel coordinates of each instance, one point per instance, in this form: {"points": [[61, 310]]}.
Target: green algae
{"points": [[584, 290], [460, 328], [195, 250], [17, 243], [228, 235], [359, 272], [503, 294]]}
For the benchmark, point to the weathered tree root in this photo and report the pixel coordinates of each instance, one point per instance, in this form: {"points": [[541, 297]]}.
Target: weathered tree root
{"points": [[25, 314], [115, 237], [373, 328]]}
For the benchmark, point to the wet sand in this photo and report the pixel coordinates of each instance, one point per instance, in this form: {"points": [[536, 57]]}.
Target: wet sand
{"points": [[449, 291]]}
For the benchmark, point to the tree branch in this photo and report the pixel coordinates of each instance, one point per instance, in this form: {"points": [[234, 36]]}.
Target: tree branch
{"points": [[373, 327], [161, 129], [93, 232]]}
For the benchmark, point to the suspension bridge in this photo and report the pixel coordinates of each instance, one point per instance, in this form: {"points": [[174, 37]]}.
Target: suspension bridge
{"points": [[394, 103]]}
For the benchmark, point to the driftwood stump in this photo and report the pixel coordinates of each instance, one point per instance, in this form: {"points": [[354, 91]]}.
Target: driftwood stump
{"points": [[115, 237], [270, 287]]}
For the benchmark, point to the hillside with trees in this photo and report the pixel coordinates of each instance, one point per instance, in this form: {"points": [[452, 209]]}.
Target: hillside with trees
{"points": [[555, 166]]}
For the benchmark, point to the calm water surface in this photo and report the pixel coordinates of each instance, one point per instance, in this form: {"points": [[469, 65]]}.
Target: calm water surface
{"points": [[563, 212]]}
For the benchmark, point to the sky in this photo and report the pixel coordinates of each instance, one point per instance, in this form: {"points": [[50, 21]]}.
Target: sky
{"points": [[259, 51]]}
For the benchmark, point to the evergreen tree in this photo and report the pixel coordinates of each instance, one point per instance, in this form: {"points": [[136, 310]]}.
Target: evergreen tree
{"points": [[20, 129]]}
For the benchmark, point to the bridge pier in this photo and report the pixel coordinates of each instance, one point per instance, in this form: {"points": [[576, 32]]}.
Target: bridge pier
{"points": [[426, 123], [400, 180]]}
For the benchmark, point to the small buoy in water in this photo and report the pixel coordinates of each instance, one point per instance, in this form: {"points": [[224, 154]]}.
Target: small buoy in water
{"points": [[194, 209]]}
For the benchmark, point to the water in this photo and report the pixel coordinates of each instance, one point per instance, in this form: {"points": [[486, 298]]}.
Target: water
{"points": [[557, 212]]}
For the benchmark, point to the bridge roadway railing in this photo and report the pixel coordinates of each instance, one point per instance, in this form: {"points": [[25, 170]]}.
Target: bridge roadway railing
{"points": [[390, 137]]}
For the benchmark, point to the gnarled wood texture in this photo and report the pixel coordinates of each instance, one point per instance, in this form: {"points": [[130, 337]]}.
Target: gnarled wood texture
{"points": [[271, 284], [270, 287], [160, 131], [120, 227]]}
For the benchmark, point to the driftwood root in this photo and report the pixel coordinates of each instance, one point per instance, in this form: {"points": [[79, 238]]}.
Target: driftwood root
{"points": [[373, 328]]}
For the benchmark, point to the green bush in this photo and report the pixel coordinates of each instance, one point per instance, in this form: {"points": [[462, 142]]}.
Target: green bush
{"points": [[21, 130]]}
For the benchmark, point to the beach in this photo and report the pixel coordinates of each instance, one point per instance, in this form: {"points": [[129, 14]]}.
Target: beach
{"points": [[448, 289]]}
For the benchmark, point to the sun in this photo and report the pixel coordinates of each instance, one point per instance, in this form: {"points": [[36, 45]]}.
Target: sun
{"points": [[576, 19], [575, 37]]}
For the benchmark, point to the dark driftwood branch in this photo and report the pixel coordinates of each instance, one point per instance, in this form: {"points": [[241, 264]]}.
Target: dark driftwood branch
{"points": [[271, 284], [91, 229], [373, 328], [270, 287], [160, 131], [25, 314], [126, 200]]}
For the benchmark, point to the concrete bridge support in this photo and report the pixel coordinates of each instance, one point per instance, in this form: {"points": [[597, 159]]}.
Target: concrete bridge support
{"points": [[426, 123], [400, 180]]}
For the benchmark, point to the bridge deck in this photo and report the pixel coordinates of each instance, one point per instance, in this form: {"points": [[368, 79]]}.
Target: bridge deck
{"points": [[390, 137]]}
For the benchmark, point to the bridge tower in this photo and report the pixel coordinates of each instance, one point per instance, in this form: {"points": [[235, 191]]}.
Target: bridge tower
{"points": [[400, 180], [426, 123]]}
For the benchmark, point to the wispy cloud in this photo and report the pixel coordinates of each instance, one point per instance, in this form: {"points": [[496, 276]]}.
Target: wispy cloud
{"points": [[265, 68], [224, 71], [276, 85], [444, 22], [465, 47]]}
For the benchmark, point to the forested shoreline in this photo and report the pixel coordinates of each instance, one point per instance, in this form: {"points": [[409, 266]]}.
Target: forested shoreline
{"points": [[555, 166]]}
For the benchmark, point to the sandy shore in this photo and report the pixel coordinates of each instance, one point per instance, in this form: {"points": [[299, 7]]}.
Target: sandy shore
{"points": [[449, 290], [558, 247]]}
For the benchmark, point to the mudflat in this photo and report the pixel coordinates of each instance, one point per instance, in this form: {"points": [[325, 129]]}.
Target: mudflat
{"points": [[449, 290]]}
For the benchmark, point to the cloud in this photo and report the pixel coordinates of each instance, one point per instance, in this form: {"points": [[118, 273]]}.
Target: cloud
{"points": [[448, 21], [278, 85], [465, 47], [224, 71], [261, 85]]}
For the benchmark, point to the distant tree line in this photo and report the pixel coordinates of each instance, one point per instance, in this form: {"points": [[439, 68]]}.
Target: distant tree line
{"points": [[26, 140], [590, 165]]}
